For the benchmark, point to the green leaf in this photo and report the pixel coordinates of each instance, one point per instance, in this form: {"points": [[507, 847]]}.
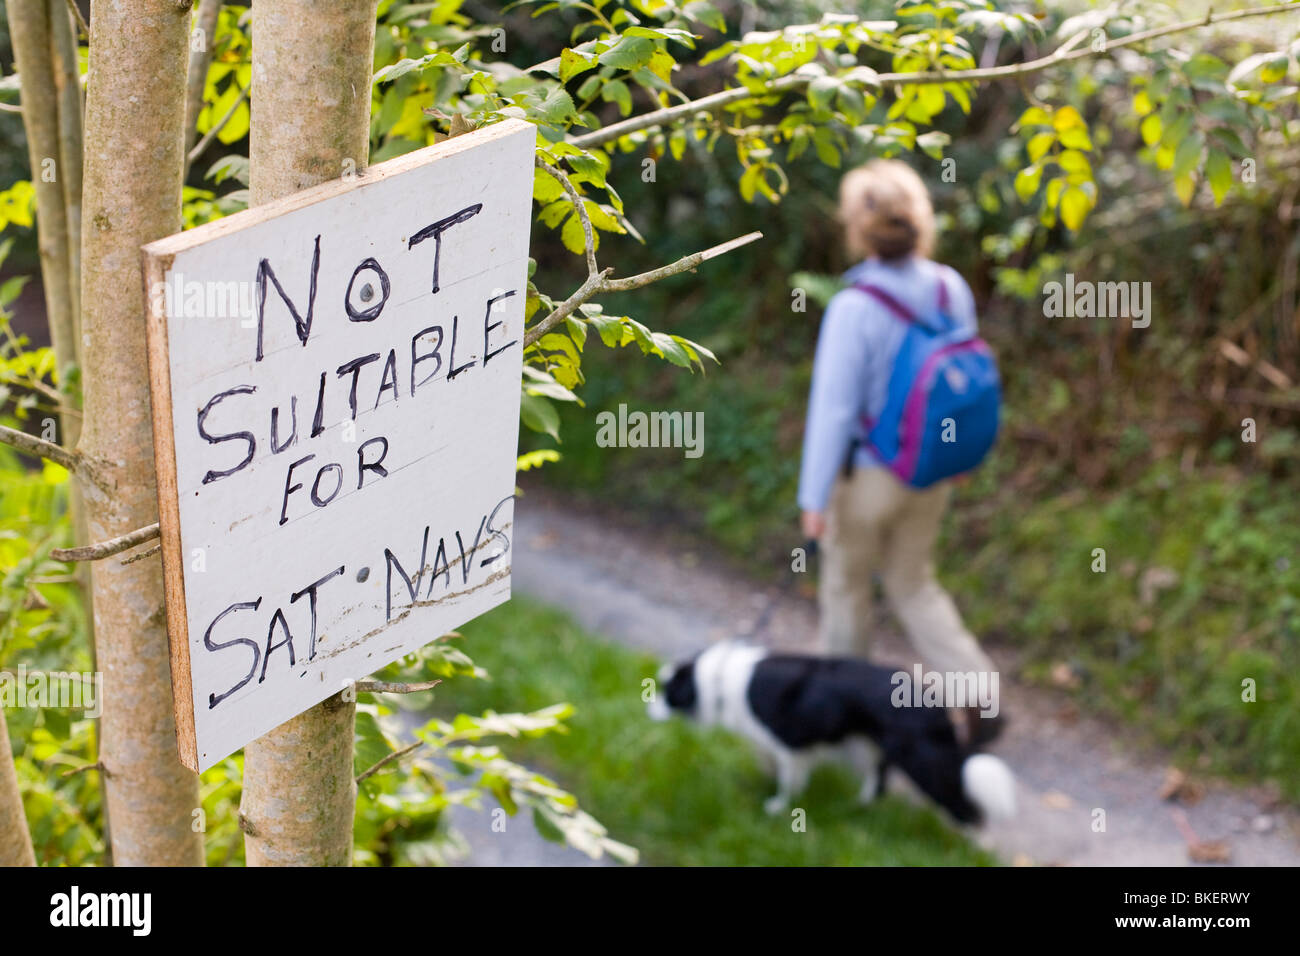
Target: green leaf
{"points": [[1034, 116], [1152, 129], [1073, 161], [545, 827], [1187, 157], [851, 102], [1076, 138], [661, 65], [552, 215], [1218, 170], [10, 289], [538, 414], [707, 14], [535, 459], [588, 167], [932, 99], [371, 744], [1276, 68], [574, 236], [1074, 207], [677, 143], [629, 53], [1040, 144], [1177, 130], [557, 107], [1054, 189], [609, 328], [821, 93], [1229, 139], [933, 142], [824, 146], [616, 91], [546, 188], [1027, 181], [229, 167], [573, 62], [1067, 117]]}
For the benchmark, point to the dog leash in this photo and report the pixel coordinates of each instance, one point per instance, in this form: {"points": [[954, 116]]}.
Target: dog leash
{"points": [[765, 616]]}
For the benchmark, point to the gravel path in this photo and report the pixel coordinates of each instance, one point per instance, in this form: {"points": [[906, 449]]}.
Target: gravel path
{"points": [[660, 593]]}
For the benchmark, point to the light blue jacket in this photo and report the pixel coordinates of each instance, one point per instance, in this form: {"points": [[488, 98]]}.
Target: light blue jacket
{"points": [[856, 347]]}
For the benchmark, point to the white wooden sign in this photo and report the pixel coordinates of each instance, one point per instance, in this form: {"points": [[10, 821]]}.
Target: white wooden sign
{"points": [[335, 381]]}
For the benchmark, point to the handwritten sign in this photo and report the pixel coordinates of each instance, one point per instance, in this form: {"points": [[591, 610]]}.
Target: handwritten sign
{"points": [[335, 382]]}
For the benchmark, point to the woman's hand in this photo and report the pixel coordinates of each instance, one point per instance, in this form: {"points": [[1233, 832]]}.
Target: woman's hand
{"points": [[813, 524]]}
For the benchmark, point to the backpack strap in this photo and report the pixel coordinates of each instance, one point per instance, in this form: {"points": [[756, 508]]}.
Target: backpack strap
{"points": [[896, 307], [887, 300], [943, 292]]}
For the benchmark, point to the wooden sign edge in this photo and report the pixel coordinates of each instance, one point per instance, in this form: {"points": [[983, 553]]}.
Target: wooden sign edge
{"points": [[183, 241], [156, 261], [154, 271]]}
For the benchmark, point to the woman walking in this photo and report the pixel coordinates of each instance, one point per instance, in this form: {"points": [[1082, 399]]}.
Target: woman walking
{"points": [[866, 519]]}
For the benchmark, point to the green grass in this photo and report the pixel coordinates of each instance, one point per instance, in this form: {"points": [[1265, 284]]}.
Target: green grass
{"points": [[681, 794], [1174, 660]]}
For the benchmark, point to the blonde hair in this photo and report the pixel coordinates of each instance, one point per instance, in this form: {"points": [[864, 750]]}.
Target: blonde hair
{"points": [[886, 211]]}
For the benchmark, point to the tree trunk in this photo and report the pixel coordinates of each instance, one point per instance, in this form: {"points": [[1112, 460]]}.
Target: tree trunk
{"points": [[15, 838], [66, 73], [29, 30], [312, 63], [135, 112]]}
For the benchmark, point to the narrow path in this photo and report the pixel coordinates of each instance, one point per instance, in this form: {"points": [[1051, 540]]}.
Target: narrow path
{"points": [[658, 593]]}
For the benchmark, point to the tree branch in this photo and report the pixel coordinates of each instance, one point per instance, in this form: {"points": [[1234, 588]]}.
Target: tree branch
{"points": [[39, 448], [392, 687], [599, 282], [212, 134], [140, 556], [205, 21], [1063, 54], [395, 755], [580, 207], [85, 768], [106, 549]]}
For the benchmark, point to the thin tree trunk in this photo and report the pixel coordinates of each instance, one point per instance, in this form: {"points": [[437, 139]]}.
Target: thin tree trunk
{"points": [[311, 122], [135, 112], [29, 31], [66, 71], [67, 83], [205, 24], [15, 838]]}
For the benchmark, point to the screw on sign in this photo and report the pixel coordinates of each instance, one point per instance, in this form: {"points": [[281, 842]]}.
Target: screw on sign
{"points": [[344, 454]]}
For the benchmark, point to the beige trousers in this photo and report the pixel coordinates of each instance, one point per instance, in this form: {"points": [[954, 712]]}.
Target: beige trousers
{"points": [[876, 523]]}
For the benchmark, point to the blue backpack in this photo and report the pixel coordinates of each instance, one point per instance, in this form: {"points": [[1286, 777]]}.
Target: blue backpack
{"points": [[941, 407]]}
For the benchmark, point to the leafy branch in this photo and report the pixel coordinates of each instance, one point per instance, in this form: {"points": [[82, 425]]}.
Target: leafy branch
{"points": [[1066, 53]]}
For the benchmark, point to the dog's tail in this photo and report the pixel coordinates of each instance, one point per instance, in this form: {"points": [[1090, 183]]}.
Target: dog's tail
{"points": [[988, 784]]}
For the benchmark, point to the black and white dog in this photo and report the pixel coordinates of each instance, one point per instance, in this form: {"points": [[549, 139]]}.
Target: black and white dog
{"points": [[801, 710]]}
